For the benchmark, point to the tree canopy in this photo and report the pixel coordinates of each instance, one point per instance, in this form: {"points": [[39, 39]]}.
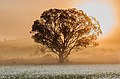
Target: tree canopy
{"points": [[62, 30]]}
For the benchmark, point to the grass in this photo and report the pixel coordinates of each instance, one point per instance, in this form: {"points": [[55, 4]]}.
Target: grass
{"points": [[70, 76], [60, 72]]}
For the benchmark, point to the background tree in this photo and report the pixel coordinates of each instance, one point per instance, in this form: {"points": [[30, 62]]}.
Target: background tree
{"points": [[62, 30]]}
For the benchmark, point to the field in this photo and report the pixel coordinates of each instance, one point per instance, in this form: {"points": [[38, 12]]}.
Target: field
{"points": [[60, 72]]}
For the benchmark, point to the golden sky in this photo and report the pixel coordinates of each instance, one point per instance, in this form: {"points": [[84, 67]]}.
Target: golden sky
{"points": [[17, 16]]}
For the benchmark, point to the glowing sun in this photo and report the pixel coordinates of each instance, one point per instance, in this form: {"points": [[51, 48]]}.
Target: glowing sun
{"points": [[101, 11]]}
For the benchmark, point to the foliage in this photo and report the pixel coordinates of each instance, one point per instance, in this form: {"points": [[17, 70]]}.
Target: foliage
{"points": [[62, 30]]}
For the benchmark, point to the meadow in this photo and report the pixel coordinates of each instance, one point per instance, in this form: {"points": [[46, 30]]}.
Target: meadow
{"points": [[60, 71]]}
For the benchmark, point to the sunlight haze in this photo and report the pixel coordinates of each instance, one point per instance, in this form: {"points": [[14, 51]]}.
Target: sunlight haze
{"points": [[17, 16], [103, 12]]}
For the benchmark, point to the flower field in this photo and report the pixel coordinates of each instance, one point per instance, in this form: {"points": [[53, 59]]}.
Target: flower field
{"points": [[60, 72]]}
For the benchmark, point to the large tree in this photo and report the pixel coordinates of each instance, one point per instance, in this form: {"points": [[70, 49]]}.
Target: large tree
{"points": [[62, 30]]}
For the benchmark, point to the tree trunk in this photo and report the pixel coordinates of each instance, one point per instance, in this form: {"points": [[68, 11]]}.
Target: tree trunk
{"points": [[61, 59]]}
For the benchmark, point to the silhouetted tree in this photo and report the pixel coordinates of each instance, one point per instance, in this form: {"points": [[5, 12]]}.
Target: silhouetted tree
{"points": [[62, 30]]}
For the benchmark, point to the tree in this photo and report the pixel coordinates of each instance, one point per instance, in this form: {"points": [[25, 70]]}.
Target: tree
{"points": [[62, 30]]}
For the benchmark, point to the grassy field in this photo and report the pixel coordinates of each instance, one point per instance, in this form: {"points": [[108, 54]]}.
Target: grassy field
{"points": [[70, 76], [60, 72]]}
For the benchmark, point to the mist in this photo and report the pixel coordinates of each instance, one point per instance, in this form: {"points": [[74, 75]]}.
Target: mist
{"points": [[17, 46]]}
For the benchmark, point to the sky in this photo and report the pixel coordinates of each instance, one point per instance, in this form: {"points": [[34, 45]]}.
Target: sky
{"points": [[17, 16], [115, 33]]}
